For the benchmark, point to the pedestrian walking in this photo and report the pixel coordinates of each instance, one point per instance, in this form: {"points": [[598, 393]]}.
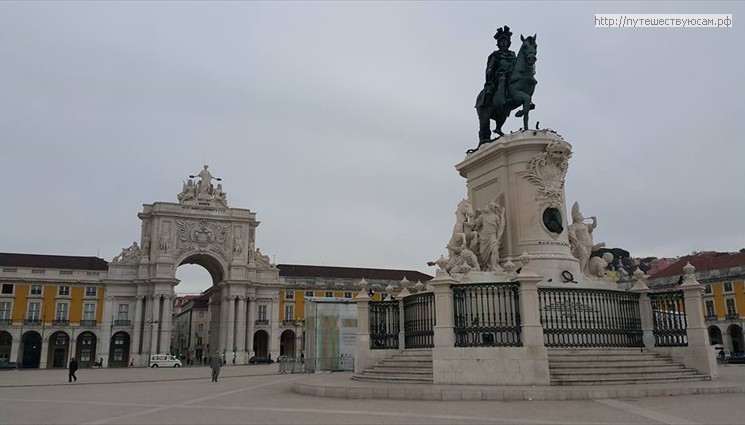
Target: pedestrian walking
{"points": [[216, 364], [73, 367]]}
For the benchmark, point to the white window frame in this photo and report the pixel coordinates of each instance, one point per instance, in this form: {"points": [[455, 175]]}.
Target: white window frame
{"points": [[289, 295], [9, 310], [710, 311], [60, 291], [66, 310], [730, 302], [95, 291], [12, 289], [261, 314], [331, 294], [724, 286], [86, 312], [289, 312], [120, 310], [347, 295], [36, 286], [29, 311], [309, 293]]}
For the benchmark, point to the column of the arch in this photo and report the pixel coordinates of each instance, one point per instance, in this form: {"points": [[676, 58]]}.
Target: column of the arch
{"points": [[230, 343], [154, 328], [45, 350], [240, 328], [147, 329], [224, 325], [134, 348], [102, 346], [15, 347], [251, 317], [274, 325], [165, 329]]}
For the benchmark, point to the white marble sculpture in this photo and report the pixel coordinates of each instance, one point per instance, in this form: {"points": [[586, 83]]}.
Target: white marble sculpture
{"points": [[463, 229], [202, 192], [580, 238], [599, 265], [489, 223], [128, 255]]}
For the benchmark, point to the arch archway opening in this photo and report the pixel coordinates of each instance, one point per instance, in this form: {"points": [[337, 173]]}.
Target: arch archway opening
{"points": [[738, 343], [6, 344], [715, 335], [59, 350], [86, 349], [208, 263], [287, 344], [31, 345], [119, 349]]}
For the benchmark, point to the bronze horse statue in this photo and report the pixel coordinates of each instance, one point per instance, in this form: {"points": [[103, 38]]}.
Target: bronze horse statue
{"points": [[519, 90]]}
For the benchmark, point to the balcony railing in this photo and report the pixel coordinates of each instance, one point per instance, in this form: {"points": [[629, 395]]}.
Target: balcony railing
{"points": [[288, 323], [122, 322], [32, 322], [60, 322], [88, 322], [733, 316], [6, 321], [711, 318], [261, 322]]}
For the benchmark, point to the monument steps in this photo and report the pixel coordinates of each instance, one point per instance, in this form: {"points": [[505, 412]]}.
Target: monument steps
{"points": [[407, 366], [615, 366]]}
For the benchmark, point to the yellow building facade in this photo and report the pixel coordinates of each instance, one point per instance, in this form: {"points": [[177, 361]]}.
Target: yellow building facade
{"points": [[722, 276], [50, 310]]}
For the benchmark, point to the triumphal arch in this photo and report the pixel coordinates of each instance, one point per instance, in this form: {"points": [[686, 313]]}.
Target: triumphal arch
{"points": [[198, 229]]}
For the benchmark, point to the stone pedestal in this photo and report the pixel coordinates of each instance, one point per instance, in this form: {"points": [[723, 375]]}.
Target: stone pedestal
{"points": [[524, 172]]}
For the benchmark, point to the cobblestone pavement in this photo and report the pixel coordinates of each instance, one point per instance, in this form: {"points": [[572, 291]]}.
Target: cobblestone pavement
{"points": [[259, 395]]}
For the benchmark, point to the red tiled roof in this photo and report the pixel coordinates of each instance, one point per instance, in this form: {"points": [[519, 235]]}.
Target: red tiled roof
{"points": [[296, 270], [8, 259], [703, 261]]}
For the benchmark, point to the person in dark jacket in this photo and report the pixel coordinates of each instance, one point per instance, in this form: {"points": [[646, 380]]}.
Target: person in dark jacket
{"points": [[73, 368], [215, 365]]}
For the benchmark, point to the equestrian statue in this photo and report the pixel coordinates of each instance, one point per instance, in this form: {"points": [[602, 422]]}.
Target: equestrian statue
{"points": [[510, 81]]}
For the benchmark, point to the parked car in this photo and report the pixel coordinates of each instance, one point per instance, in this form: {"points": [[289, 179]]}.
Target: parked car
{"points": [[260, 360], [8, 365], [164, 360]]}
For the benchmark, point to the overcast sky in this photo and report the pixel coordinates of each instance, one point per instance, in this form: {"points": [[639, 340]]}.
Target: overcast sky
{"points": [[340, 123]]}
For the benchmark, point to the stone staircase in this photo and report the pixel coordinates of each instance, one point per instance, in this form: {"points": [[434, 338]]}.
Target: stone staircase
{"points": [[405, 367], [604, 366]]}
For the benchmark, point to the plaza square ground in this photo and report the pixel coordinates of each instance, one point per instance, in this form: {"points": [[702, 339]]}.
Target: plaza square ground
{"points": [[260, 395]]}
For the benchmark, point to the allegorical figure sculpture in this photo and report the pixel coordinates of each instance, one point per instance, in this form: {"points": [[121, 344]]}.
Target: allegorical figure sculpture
{"points": [[463, 229], [510, 82], [489, 224], [128, 255], [599, 265], [203, 191], [204, 187], [580, 239]]}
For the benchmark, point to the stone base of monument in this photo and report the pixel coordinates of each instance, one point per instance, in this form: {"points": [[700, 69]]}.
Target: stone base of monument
{"points": [[524, 173]]}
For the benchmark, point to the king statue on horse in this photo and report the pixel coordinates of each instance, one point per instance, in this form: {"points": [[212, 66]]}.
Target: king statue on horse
{"points": [[510, 81]]}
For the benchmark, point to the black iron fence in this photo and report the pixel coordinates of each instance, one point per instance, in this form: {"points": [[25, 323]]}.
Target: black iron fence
{"points": [[419, 320], [487, 315], [670, 320], [590, 318], [384, 325]]}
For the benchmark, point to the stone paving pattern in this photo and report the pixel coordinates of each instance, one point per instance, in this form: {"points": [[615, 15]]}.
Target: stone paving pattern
{"points": [[259, 394]]}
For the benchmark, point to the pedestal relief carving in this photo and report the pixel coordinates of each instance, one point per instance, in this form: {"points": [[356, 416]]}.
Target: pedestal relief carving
{"points": [[547, 171]]}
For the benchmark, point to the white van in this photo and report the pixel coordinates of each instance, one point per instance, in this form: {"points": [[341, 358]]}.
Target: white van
{"points": [[164, 360]]}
